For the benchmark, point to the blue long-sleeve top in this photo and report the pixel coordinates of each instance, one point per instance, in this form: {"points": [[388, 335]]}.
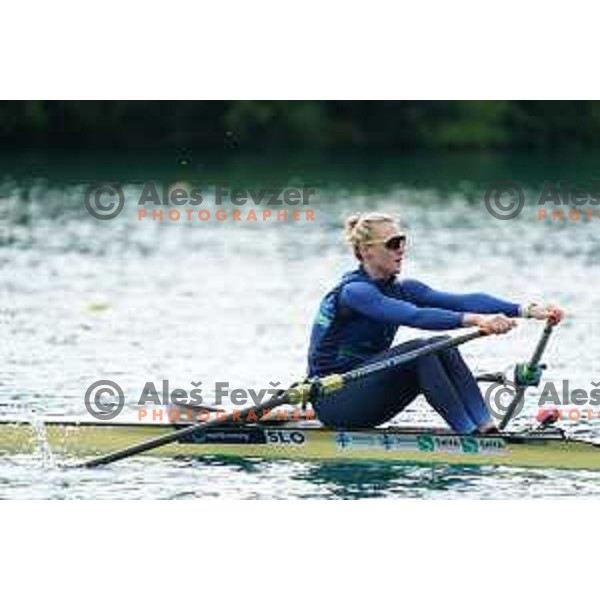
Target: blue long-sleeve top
{"points": [[359, 317]]}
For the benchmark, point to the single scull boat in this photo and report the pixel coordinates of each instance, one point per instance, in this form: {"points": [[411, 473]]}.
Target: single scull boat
{"points": [[548, 448], [105, 442]]}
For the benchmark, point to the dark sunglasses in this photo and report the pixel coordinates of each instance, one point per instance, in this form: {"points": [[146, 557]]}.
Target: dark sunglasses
{"points": [[395, 242]]}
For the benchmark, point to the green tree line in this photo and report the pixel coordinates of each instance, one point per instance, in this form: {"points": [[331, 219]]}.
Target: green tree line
{"points": [[271, 125]]}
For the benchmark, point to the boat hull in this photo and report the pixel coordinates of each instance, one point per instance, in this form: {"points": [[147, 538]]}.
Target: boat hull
{"points": [[297, 443]]}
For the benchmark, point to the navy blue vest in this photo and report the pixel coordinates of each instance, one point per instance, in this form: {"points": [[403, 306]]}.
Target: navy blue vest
{"points": [[342, 338]]}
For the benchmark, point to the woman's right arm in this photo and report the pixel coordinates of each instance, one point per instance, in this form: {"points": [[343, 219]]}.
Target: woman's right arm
{"points": [[489, 323], [367, 300]]}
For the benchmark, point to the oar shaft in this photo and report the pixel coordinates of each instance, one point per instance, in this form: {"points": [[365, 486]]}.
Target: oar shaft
{"points": [[401, 359], [293, 395], [512, 407], [541, 347], [176, 435], [535, 359]]}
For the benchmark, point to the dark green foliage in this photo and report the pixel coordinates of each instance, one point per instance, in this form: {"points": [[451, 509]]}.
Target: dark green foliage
{"points": [[266, 125]]}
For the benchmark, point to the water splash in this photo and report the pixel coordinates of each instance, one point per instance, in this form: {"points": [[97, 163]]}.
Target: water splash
{"points": [[43, 451]]}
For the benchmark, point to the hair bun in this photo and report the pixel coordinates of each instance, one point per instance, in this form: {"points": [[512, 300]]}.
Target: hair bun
{"points": [[350, 223]]}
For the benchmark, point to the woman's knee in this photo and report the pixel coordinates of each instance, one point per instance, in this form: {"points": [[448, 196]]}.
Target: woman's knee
{"points": [[452, 353], [428, 360]]}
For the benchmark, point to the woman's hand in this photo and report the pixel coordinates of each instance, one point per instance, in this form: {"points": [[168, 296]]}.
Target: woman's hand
{"points": [[550, 312], [490, 323]]}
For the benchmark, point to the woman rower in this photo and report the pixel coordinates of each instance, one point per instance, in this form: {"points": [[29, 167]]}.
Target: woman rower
{"points": [[359, 317]]}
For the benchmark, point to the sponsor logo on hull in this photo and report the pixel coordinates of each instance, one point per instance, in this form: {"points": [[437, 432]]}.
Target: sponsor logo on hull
{"points": [[272, 437], [447, 444]]}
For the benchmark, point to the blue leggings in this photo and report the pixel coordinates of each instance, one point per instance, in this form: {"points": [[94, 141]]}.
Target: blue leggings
{"points": [[443, 377]]}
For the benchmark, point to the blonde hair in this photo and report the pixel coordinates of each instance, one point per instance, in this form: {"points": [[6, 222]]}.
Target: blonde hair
{"points": [[358, 228]]}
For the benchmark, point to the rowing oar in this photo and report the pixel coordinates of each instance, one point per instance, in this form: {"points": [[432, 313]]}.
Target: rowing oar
{"points": [[532, 364], [300, 392]]}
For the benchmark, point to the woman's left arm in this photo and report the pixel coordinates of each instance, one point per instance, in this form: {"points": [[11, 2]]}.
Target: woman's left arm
{"points": [[422, 295]]}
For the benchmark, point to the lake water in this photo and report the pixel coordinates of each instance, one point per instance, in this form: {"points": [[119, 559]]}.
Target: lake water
{"points": [[135, 300]]}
